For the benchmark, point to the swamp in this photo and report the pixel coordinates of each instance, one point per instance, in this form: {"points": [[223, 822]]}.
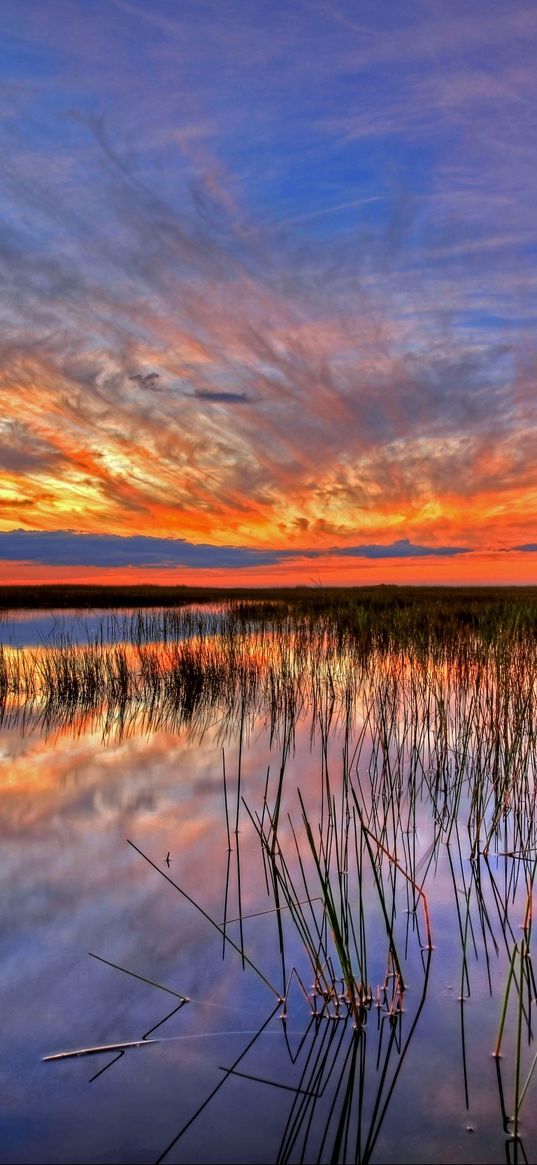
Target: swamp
{"points": [[268, 876]]}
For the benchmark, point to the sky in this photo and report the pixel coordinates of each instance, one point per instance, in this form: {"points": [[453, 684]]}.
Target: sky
{"points": [[268, 291]]}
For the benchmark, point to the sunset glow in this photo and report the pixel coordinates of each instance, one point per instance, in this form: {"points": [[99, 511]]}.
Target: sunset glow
{"points": [[268, 293]]}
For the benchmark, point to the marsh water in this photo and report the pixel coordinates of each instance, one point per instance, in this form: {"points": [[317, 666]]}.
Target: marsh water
{"points": [[295, 870]]}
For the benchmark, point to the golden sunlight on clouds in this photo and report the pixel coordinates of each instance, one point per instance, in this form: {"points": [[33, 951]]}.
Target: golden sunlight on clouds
{"points": [[216, 469]]}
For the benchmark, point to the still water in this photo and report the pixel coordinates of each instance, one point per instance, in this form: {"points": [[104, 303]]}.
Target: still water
{"points": [[118, 826]]}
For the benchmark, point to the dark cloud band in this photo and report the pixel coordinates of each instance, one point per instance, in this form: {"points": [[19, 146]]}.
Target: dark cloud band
{"points": [[67, 548]]}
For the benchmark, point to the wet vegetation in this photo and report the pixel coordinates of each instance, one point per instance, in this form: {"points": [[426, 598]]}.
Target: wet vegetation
{"points": [[477, 602], [422, 708], [274, 654]]}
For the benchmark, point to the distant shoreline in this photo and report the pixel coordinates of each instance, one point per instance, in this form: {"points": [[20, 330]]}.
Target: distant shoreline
{"points": [[62, 595]]}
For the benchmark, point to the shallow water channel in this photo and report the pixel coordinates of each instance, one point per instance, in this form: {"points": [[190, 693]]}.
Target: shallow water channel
{"points": [[307, 901]]}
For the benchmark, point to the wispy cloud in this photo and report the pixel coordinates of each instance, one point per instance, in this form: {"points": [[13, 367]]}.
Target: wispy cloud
{"points": [[223, 397]]}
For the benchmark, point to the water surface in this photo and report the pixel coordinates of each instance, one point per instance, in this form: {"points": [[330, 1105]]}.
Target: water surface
{"points": [[418, 1082]]}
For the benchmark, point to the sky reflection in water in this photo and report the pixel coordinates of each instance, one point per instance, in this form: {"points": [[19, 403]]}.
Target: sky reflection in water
{"points": [[70, 800]]}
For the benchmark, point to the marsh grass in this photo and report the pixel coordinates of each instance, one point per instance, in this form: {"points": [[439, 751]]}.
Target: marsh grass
{"points": [[422, 710]]}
